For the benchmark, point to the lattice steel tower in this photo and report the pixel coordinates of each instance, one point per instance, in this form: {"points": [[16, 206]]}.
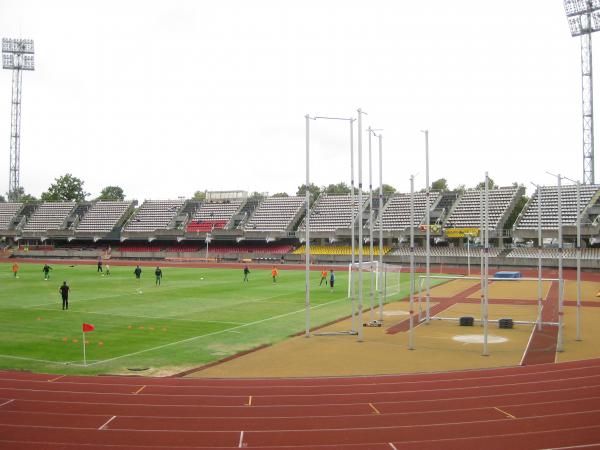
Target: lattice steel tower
{"points": [[584, 19], [17, 55]]}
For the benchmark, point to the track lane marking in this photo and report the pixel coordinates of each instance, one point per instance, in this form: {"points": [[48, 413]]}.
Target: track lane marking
{"points": [[7, 402], [392, 446], [140, 389], [505, 413], [241, 443], [107, 422], [374, 409], [249, 401], [57, 378]]}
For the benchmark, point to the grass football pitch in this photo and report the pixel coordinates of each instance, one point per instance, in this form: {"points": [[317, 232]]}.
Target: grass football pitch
{"points": [[195, 317]]}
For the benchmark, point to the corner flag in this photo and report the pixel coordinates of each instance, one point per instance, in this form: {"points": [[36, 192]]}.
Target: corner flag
{"points": [[88, 327]]}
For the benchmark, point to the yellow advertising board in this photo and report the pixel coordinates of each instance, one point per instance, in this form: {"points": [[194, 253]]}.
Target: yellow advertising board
{"points": [[461, 232]]}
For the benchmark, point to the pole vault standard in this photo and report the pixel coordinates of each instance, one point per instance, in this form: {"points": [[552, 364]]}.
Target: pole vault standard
{"points": [[559, 340], [427, 231], [307, 220], [578, 256], [371, 290], [381, 291], [540, 250], [486, 263], [412, 263], [360, 228]]}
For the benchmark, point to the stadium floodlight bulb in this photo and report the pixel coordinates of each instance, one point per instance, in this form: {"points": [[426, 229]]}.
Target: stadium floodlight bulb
{"points": [[583, 16]]}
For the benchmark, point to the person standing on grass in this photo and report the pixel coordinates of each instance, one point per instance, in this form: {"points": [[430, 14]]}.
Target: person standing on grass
{"points": [[246, 272], [46, 269], [64, 293], [99, 264], [138, 272], [158, 274], [331, 279], [15, 270], [107, 267], [274, 273], [323, 277]]}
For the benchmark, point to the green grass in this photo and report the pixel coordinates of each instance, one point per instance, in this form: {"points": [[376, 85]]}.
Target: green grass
{"points": [[197, 316]]}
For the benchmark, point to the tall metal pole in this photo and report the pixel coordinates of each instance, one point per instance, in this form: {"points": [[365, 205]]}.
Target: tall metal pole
{"points": [[307, 230], [360, 229], [540, 250], [381, 299], [427, 231], [372, 281], [412, 262], [486, 266], [481, 254], [578, 338], [587, 97], [468, 255], [559, 342], [353, 213]]}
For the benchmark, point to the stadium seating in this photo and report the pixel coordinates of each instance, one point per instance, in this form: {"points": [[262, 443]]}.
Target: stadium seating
{"points": [[212, 215], [278, 249], [331, 212], [275, 214], [338, 250], [549, 196], [445, 251], [154, 215], [103, 216], [8, 211], [466, 214], [49, 216], [552, 253], [396, 215]]}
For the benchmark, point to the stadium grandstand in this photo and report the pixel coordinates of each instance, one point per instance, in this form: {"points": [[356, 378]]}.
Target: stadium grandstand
{"points": [[230, 226]]}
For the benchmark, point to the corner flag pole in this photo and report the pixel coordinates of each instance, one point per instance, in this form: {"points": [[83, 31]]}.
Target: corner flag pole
{"points": [[83, 343]]}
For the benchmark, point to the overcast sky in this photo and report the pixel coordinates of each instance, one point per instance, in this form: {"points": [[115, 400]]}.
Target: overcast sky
{"points": [[164, 98]]}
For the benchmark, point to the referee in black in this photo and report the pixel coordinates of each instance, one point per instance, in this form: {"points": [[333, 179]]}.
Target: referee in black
{"points": [[64, 293]]}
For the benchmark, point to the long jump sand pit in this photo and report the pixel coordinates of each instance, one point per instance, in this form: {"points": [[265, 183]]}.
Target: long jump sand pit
{"points": [[382, 353]]}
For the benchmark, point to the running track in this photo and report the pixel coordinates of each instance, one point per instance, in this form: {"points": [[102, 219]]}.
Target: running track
{"points": [[529, 407]]}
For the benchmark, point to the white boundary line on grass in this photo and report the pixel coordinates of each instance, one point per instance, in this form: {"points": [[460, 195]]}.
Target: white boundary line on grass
{"points": [[211, 334]]}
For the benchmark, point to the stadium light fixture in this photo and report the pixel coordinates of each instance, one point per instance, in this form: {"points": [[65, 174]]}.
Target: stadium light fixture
{"points": [[17, 55], [583, 17]]}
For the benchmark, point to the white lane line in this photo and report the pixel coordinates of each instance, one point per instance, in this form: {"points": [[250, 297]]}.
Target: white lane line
{"points": [[393, 446], [7, 402], [107, 422], [241, 444], [214, 333]]}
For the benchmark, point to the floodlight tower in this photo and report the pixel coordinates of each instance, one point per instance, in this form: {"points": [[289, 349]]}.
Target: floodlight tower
{"points": [[584, 19], [17, 55]]}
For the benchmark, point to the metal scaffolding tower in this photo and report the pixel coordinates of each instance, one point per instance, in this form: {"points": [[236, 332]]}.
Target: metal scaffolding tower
{"points": [[584, 19], [17, 55]]}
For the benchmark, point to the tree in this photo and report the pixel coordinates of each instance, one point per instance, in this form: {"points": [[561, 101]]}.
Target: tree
{"points": [[281, 194], [313, 189], [388, 189], [440, 185], [512, 218], [257, 194], [460, 188], [27, 198], [491, 184], [66, 188], [340, 188], [112, 193], [199, 195], [2, 199]]}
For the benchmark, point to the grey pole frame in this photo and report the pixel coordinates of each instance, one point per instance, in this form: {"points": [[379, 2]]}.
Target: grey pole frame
{"points": [[353, 227], [412, 264], [307, 230], [540, 250], [371, 259], [481, 254], [427, 231], [307, 206], [360, 227], [382, 292], [486, 267], [559, 341], [578, 257]]}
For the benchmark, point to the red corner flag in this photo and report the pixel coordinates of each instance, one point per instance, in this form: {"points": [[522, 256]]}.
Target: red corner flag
{"points": [[88, 327]]}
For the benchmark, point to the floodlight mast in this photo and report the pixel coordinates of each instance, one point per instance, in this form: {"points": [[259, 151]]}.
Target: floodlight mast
{"points": [[17, 55], [584, 19]]}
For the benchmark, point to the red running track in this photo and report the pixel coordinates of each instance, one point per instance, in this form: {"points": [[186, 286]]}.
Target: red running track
{"points": [[529, 407]]}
